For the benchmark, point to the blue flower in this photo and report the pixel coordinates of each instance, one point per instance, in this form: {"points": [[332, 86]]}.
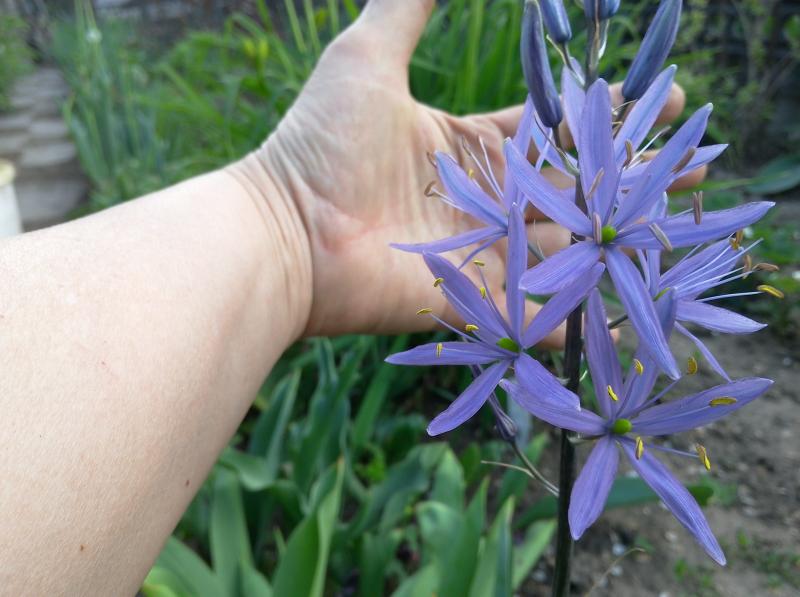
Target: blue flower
{"points": [[617, 221], [629, 414], [489, 339]]}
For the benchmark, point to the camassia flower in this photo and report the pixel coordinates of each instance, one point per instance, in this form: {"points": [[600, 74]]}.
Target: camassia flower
{"points": [[628, 415], [463, 192], [698, 272], [489, 339], [616, 221]]}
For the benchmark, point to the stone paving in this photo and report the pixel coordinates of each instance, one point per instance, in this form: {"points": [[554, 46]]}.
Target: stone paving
{"points": [[33, 135]]}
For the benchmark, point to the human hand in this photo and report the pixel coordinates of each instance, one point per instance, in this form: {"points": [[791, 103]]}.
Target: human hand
{"points": [[351, 154]]}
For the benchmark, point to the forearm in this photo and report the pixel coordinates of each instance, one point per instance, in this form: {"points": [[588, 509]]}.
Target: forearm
{"points": [[132, 344]]}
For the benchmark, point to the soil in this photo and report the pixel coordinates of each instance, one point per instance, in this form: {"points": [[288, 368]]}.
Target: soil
{"points": [[756, 509]]}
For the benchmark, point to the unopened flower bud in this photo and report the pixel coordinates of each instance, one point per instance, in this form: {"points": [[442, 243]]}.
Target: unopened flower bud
{"points": [[655, 47], [536, 67], [556, 21], [600, 9]]}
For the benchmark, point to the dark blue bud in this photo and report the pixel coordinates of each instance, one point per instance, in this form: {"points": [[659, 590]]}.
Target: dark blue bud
{"points": [[536, 67], [600, 9], [653, 52], [556, 21]]}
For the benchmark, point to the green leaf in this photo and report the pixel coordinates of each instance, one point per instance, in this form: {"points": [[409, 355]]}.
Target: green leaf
{"points": [[493, 576], [516, 482], [448, 483], [778, 176], [188, 571], [228, 538], [161, 583], [537, 538], [252, 583], [374, 556], [301, 570], [268, 439], [421, 584]]}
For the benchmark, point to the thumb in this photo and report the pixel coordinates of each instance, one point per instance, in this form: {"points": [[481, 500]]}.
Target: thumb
{"points": [[398, 23]]}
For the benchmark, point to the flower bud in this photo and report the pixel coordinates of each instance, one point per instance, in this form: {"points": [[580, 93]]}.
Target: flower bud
{"points": [[536, 67], [556, 21], [600, 9], [655, 47]]}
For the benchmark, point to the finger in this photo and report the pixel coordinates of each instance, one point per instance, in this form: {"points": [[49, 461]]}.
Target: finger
{"points": [[687, 181], [399, 25]]}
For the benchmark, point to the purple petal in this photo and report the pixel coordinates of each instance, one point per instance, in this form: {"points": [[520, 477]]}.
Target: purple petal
{"points": [[656, 177], [465, 297], [538, 381], [560, 415], [466, 194], [707, 354], [639, 307], [556, 310], [676, 498], [574, 98], [695, 411], [601, 354], [703, 156], [552, 202], [522, 141], [561, 269], [716, 318], [591, 488], [715, 259], [516, 264], [450, 353], [683, 232], [595, 146], [453, 242], [470, 400], [644, 113]]}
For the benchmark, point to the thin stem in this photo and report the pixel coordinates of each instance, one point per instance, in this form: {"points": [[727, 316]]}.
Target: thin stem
{"points": [[617, 322]]}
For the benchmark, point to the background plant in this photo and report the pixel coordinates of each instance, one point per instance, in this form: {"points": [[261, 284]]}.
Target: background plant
{"points": [[15, 57]]}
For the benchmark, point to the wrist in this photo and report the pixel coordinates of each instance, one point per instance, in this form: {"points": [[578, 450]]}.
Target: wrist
{"points": [[286, 248]]}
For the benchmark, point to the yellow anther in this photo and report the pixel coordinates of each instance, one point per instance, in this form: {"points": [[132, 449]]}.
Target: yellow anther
{"points": [[639, 448], [691, 365], [703, 455], [437, 281], [478, 262], [471, 173], [770, 290], [439, 349], [612, 394], [734, 244], [424, 311], [722, 401], [483, 292], [471, 327], [637, 364]]}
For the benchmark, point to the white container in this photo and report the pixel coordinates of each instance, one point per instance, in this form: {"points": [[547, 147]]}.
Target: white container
{"points": [[10, 223]]}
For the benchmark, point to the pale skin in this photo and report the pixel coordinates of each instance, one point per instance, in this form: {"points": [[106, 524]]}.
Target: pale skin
{"points": [[134, 340]]}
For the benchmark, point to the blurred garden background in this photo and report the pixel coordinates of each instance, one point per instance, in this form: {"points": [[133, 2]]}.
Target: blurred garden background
{"points": [[331, 485]]}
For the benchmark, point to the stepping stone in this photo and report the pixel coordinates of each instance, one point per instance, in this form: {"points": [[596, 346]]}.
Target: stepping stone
{"points": [[46, 202], [15, 123], [48, 130], [50, 159], [11, 145]]}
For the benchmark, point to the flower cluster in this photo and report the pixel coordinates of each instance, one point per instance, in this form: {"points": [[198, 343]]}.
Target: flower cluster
{"points": [[621, 222]]}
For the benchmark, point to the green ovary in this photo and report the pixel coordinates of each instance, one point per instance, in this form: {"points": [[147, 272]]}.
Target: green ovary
{"points": [[608, 233], [621, 426]]}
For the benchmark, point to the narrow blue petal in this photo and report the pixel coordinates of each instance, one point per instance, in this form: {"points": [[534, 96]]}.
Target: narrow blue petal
{"points": [[541, 405], [659, 172], [595, 146], [561, 269], [552, 202], [538, 381], [683, 232], [703, 156], [720, 253], [466, 194], [450, 353], [574, 98], [676, 498], [556, 310], [522, 141], [695, 410], [452, 242], [465, 297], [641, 312], [707, 354], [516, 263], [470, 400], [716, 318], [601, 354], [590, 492], [644, 114]]}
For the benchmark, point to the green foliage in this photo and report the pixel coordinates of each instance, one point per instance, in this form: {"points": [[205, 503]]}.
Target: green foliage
{"points": [[15, 57]]}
